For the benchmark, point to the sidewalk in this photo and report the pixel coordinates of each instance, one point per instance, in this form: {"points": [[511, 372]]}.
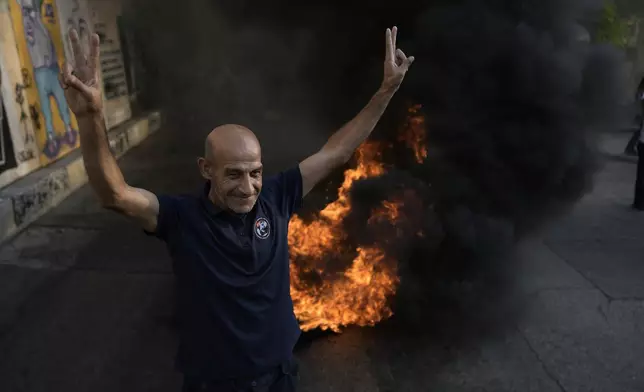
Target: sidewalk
{"points": [[613, 145], [27, 199], [86, 302]]}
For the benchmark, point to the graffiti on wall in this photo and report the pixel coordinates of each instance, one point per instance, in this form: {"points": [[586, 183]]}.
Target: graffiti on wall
{"points": [[30, 204], [41, 53], [104, 17], [28, 139], [20, 152], [6, 150], [112, 67]]}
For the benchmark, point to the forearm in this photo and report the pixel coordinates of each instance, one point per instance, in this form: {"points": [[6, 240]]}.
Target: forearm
{"points": [[105, 177], [347, 139], [342, 144]]}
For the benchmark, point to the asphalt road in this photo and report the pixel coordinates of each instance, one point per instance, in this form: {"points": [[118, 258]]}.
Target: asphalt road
{"points": [[86, 304]]}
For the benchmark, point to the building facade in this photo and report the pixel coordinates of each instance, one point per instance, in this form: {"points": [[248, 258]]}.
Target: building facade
{"points": [[631, 14], [38, 127]]}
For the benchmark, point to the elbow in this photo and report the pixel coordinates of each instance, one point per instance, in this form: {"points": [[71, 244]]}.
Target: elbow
{"points": [[109, 202], [112, 199]]}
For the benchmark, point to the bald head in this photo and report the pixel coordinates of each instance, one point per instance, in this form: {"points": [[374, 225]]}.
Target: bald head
{"points": [[231, 141], [233, 164]]}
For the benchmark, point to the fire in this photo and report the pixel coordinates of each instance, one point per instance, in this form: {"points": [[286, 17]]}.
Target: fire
{"points": [[358, 295], [413, 133]]}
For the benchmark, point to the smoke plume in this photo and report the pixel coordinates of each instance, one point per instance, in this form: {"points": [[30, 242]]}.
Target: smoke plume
{"points": [[513, 94]]}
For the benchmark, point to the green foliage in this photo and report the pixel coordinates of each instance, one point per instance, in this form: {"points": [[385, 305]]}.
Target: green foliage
{"points": [[612, 28]]}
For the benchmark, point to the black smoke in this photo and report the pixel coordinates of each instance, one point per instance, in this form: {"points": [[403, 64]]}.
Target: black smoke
{"points": [[513, 93]]}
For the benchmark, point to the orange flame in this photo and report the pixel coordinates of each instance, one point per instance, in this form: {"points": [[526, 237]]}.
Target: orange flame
{"points": [[414, 133], [359, 295]]}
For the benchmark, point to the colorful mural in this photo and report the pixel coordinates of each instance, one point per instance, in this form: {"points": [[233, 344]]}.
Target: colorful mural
{"points": [[19, 142], [41, 52]]}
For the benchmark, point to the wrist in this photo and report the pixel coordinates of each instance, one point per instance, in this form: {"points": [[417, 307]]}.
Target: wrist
{"points": [[90, 122], [388, 88], [90, 116]]}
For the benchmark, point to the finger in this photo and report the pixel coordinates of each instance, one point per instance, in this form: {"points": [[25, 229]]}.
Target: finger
{"points": [[72, 81], [389, 51], [394, 33], [409, 61], [400, 55], [61, 80], [76, 48], [64, 82], [64, 75], [94, 50]]}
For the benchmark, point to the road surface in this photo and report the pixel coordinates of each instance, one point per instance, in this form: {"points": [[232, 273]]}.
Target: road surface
{"points": [[86, 304]]}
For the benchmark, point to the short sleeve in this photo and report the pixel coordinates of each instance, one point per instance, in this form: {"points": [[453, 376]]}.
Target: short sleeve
{"points": [[284, 190], [168, 218]]}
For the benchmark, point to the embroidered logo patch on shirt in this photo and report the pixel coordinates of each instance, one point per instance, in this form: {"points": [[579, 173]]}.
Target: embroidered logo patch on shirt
{"points": [[262, 228]]}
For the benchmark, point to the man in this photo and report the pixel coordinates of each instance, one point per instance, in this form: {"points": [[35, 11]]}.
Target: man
{"points": [[631, 146], [635, 146], [638, 202], [229, 244]]}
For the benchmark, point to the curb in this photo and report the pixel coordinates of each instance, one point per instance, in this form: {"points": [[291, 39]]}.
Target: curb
{"points": [[30, 197], [620, 157]]}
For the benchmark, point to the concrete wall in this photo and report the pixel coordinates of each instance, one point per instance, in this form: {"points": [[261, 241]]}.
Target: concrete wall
{"points": [[100, 16], [104, 16]]}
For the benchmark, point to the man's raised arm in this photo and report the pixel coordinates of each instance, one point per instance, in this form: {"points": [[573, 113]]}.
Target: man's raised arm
{"points": [[106, 179], [342, 144]]}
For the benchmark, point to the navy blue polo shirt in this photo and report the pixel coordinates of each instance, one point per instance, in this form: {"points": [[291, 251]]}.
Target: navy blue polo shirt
{"points": [[232, 272]]}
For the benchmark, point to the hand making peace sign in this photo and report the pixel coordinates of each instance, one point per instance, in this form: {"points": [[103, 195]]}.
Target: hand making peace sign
{"points": [[82, 90], [396, 62]]}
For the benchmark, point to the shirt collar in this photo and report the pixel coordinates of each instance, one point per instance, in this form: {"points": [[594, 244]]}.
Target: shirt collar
{"points": [[211, 207]]}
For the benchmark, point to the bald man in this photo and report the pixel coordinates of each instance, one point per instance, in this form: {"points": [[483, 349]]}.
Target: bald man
{"points": [[229, 243]]}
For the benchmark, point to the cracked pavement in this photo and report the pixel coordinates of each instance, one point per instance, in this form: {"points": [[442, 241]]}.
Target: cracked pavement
{"points": [[86, 303]]}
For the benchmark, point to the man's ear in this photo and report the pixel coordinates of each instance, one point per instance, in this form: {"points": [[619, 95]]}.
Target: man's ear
{"points": [[205, 168]]}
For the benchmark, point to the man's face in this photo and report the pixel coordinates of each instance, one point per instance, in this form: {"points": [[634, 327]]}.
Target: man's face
{"points": [[237, 184], [233, 164]]}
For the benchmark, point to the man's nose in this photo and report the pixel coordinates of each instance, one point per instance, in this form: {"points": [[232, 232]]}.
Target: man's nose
{"points": [[246, 186]]}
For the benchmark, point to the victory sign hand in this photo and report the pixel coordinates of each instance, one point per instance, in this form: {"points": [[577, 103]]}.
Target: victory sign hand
{"points": [[82, 90], [396, 62]]}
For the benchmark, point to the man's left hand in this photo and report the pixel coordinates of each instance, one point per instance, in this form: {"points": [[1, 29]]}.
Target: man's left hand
{"points": [[396, 62]]}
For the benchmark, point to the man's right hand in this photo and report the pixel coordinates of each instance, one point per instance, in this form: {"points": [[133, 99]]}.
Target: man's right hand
{"points": [[81, 83]]}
